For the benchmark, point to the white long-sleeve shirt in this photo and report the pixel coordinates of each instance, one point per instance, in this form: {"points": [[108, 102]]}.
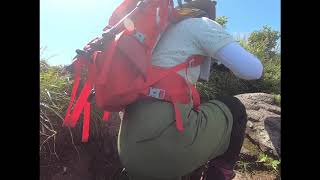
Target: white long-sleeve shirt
{"points": [[206, 37]]}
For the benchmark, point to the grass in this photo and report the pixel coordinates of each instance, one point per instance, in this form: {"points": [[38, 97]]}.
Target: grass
{"points": [[256, 161], [268, 161], [277, 99], [55, 89]]}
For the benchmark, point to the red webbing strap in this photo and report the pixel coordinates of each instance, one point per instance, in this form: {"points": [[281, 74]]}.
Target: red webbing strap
{"points": [[72, 118], [81, 102], [195, 98], [67, 119], [196, 104], [193, 59], [190, 62], [87, 105], [86, 123], [179, 123], [106, 115]]}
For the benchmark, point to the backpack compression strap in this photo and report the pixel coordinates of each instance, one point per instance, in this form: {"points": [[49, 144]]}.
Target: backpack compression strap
{"points": [[82, 103], [191, 61]]}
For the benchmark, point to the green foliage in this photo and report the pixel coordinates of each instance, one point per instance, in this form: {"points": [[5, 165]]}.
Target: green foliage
{"points": [[256, 160], [53, 87], [263, 44], [244, 166], [268, 161], [222, 20], [53, 101], [55, 91], [277, 99]]}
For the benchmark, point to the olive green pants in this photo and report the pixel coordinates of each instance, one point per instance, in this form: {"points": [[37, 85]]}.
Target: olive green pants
{"points": [[151, 148]]}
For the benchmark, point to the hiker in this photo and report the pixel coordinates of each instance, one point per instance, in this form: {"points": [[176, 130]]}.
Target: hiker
{"points": [[149, 145], [146, 63]]}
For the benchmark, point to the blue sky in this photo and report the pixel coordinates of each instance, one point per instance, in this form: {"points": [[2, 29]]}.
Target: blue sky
{"points": [[67, 25]]}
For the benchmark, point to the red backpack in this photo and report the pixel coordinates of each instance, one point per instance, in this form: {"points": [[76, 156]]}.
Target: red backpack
{"points": [[119, 63]]}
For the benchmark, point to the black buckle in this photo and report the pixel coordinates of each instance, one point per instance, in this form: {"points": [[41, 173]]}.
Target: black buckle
{"points": [[91, 95]]}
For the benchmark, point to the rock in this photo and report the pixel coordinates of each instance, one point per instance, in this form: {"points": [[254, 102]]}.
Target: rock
{"points": [[273, 127], [270, 108], [257, 98], [245, 150], [255, 176], [249, 124], [240, 176], [254, 115], [264, 118]]}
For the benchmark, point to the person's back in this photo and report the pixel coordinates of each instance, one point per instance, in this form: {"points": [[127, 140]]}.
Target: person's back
{"points": [[201, 36], [150, 146], [183, 39]]}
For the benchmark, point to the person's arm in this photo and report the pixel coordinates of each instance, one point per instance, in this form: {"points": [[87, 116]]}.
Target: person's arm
{"points": [[241, 62], [217, 43]]}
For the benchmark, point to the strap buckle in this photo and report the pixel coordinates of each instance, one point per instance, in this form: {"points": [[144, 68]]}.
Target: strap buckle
{"points": [[156, 93], [139, 36]]}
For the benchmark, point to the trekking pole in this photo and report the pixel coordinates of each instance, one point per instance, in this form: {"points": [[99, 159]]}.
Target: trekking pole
{"points": [[117, 28], [108, 35], [111, 32]]}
